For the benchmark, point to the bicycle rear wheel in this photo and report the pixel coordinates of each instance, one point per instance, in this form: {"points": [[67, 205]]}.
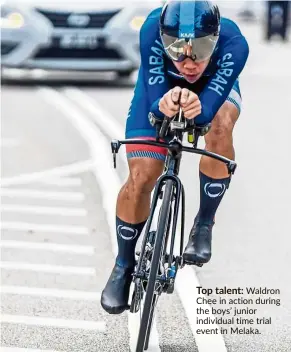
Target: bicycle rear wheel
{"points": [[151, 295]]}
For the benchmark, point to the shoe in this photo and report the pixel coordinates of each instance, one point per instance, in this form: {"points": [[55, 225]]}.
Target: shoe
{"points": [[198, 249], [114, 298]]}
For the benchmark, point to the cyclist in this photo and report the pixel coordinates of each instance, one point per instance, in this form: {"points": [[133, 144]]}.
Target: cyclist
{"points": [[190, 58]]}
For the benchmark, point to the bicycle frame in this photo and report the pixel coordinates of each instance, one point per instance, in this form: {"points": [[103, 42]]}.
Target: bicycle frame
{"points": [[172, 166], [163, 280]]}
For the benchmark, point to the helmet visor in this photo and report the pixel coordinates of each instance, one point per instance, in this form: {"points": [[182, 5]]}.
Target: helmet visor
{"points": [[198, 49]]}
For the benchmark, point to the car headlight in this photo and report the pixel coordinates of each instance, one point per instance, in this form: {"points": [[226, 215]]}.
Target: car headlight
{"points": [[137, 22], [12, 20]]}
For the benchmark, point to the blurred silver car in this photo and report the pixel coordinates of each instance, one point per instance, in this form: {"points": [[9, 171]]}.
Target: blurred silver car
{"points": [[94, 37]]}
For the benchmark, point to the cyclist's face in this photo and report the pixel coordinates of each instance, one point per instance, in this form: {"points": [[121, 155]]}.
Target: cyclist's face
{"points": [[190, 69]]}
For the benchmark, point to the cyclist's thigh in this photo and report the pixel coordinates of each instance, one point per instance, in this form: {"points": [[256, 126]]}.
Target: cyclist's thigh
{"points": [[145, 162], [138, 126]]}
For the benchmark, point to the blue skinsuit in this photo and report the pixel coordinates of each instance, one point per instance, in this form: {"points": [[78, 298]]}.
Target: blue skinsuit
{"points": [[157, 75]]}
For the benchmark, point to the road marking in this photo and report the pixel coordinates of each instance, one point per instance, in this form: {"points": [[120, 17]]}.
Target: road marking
{"points": [[47, 292], [60, 211], [63, 182], [46, 246], [9, 142], [101, 117], [105, 175], [99, 149], [31, 193], [114, 129], [267, 73], [60, 323], [47, 268], [186, 284], [71, 169], [16, 349], [24, 226]]}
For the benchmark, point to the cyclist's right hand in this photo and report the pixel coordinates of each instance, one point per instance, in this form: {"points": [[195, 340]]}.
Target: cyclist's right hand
{"points": [[169, 103]]}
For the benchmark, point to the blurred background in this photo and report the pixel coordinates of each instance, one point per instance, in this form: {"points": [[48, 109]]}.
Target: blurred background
{"points": [[68, 71], [40, 39]]}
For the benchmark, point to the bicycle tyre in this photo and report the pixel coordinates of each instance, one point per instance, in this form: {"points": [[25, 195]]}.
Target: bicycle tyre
{"points": [[157, 252], [151, 319]]}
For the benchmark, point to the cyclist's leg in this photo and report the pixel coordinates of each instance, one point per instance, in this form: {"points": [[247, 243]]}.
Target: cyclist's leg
{"points": [[214, 178], [219, 139], [145, 166], [132, 210], [133, 203]]}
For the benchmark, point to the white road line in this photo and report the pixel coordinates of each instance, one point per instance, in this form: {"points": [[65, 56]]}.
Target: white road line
{"points": [[114, 129], [9, 142], [104, 172], [47, 292], [101, 117], [60, 211], [186, 284], [39, 176], [63, 182], [46, 246], [99, 148], [46, 268], [16, 349], [99, 326], [24, 226], [264, 71], [31, 193]]}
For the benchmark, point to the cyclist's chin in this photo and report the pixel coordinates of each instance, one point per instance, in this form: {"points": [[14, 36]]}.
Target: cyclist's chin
{"points": [[192, 78]]}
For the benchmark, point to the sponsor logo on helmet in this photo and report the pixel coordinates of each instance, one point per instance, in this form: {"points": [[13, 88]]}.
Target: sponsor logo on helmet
{"points": [[187, 35], [214, 190], [126, 233]]}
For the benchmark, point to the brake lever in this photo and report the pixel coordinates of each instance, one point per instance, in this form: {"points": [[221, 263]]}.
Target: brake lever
{"points": [[115, 145], [166, 122], [231, 167]]}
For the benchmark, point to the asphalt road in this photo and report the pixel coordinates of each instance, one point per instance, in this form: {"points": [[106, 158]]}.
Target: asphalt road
{"points": [[58, 192]]}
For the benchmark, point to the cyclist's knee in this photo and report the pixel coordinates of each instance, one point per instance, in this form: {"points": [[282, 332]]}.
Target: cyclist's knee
{"points": [[143, 174], [220, 135]]}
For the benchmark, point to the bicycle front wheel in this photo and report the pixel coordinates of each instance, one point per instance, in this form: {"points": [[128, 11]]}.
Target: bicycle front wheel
{"points": [[149, 301]]}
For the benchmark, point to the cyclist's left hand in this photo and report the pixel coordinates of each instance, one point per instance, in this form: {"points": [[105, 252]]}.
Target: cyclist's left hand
{"points": [[190, 104]]}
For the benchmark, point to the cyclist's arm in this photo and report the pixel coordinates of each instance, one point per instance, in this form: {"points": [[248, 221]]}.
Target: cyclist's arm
{"points": [[231, 62], [155, 82]]}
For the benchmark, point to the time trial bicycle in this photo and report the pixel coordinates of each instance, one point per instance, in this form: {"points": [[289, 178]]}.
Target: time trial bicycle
{"points": [[157, 265]]}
